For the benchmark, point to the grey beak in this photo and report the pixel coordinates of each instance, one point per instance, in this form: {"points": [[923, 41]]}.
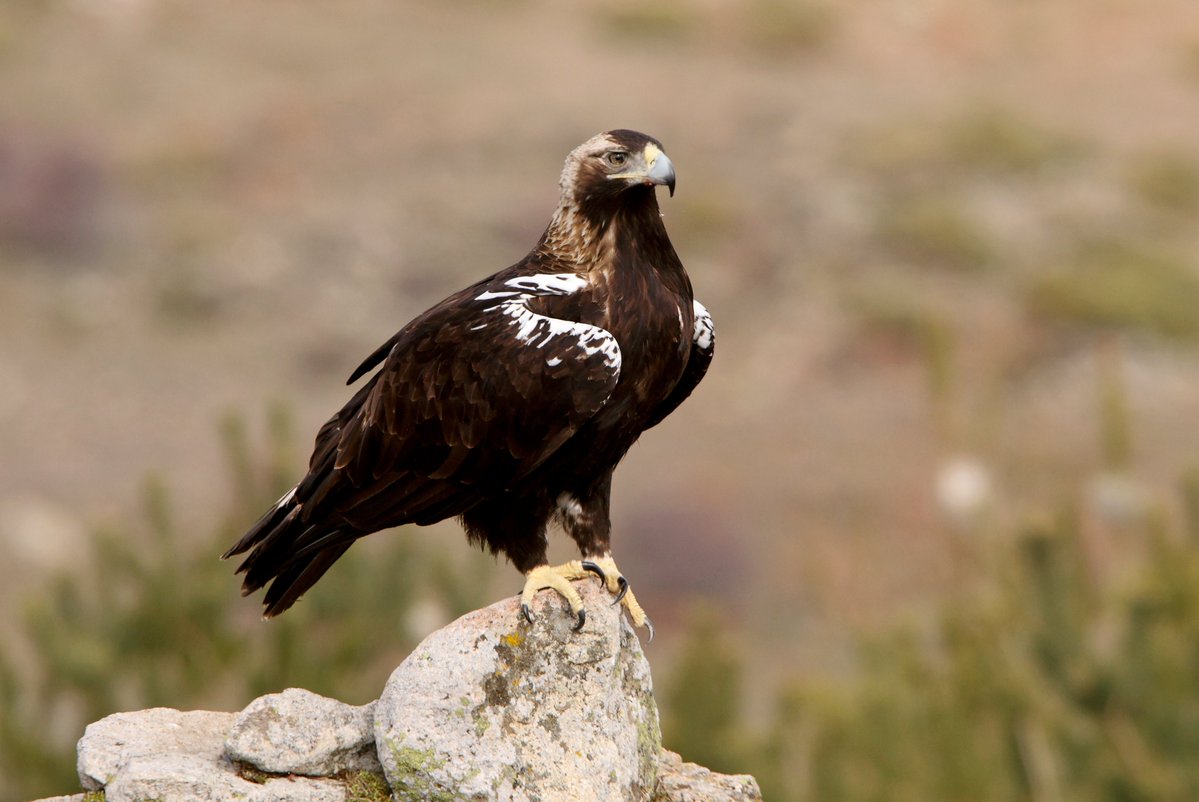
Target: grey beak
{"points": [[662, 172]]}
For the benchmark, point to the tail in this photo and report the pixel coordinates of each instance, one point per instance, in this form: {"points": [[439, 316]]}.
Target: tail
{"points": [[287, 551]]}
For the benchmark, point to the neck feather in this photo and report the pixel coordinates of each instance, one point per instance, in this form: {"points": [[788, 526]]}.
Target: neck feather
{"points": [[585, 234]]}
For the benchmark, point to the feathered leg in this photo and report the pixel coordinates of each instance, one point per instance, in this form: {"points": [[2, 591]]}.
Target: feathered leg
{"points": [[585, 517]]}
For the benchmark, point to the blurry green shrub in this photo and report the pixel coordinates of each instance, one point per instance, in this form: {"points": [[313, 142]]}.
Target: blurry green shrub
{"points": [[1190, 59], [769, 27], [151, 617], [1043, 684], [915, 326], [184, 298], [1115, 417], [664, 20], [707, 217], [701, 719], [995, 139], [979, 141], [781, 27], [1167, 181], [1190, 503], [935, 231], [1117, 285]]}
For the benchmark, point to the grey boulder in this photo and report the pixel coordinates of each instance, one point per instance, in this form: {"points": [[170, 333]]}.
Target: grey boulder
{"points": [[300, 732], [492, 708], [178, 756], [687, 782]]}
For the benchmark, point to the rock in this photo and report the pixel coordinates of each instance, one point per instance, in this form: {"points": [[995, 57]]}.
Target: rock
{"points": [[300, 732], [487, 708], [687, 782], [71, 798], [491, 708], [186, 778], [171, 755], [109, 745]]}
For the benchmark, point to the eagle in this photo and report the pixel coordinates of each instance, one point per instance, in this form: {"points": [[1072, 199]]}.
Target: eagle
{"points": [[509, 404]]}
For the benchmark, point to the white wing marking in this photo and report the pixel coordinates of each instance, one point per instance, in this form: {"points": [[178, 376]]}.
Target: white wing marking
{"points": [[539, 330], [704, 332]]}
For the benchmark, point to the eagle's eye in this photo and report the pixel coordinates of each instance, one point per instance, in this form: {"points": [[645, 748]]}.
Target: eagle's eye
{"points": [[616, 158]]}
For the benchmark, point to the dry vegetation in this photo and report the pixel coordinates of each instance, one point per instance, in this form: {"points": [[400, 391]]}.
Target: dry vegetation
{"points": [[940, 240]]}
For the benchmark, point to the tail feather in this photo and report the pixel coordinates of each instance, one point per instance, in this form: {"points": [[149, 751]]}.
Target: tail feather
{"points": [[287, 552], [265, 526], [298, 577]]}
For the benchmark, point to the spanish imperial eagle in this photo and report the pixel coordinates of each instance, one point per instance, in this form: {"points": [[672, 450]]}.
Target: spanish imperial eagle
{"points": [[510, 403]]}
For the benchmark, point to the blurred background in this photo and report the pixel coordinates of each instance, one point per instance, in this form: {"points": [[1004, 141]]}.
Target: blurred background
{"points": [[928, 530]]}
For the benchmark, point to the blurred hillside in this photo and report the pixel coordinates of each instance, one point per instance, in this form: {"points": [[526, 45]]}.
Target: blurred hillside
{"points": [[951, 249]]}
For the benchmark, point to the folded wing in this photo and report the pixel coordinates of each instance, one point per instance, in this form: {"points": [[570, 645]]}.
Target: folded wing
{"points": [[471, 397]]}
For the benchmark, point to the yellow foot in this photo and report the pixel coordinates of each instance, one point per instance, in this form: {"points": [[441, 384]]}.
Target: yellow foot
{"points": [[616, 583], [558, 577]]}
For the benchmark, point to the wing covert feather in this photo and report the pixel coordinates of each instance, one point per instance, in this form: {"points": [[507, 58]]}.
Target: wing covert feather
{"points": [[469, 399]]}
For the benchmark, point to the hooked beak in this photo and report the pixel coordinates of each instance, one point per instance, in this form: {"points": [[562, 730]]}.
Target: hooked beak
{"points": [[661, 171], [658, 170]]}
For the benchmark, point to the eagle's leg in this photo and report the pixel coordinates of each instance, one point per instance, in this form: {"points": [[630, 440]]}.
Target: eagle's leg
{"points": [[618, 585], [558, 577], [584, 515]]}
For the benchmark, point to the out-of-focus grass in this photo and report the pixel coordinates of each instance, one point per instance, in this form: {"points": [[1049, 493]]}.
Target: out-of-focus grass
{"points": [[1117, 285]]}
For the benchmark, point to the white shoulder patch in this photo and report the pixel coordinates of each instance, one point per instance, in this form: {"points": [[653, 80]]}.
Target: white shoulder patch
{"points": [[704, 333], [548, 283], [539, 330], [538, 284]]}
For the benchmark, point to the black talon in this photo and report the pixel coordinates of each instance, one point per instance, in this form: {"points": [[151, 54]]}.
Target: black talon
{"points": [[526, 613], [650, 626], [588, 565], [624, 588], [582, 620]]}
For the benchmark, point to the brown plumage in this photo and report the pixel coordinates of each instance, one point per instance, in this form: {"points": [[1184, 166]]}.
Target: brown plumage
{"points": [[510, 403]]}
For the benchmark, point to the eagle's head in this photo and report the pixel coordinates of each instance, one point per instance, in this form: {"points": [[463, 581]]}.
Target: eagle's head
{"points": [[608, 165]]}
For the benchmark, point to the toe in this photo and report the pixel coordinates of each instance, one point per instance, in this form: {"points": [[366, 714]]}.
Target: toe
{"points": [[588, 565], [557, 578]]}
